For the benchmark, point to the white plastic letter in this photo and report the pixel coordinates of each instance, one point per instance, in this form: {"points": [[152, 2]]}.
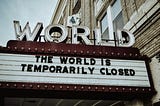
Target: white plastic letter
{"points": [[126, 38], [56, 28], [97, 34], [82, 32], [26, 33]]}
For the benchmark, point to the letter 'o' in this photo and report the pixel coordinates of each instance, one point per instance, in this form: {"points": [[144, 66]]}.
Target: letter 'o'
{"points": [[56, 28]]}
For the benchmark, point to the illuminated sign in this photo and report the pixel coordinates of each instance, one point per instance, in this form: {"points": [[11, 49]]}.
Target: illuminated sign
{"points": [[73, 70], [124, 37]]}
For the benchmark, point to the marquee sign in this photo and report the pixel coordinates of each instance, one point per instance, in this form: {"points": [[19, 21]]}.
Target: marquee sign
{"points": [[51, 65], [73, 70], [71, 67]]}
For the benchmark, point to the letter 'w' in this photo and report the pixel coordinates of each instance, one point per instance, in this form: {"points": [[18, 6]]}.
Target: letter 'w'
{"points": [[26, 34]]}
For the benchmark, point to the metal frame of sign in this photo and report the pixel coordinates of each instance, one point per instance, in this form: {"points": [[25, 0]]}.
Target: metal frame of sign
{"points": [[74, 90]]}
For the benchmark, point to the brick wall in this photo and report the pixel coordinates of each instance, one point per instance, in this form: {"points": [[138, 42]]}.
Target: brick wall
{"points": [[129, 7], [142, 19], [148, 38]]}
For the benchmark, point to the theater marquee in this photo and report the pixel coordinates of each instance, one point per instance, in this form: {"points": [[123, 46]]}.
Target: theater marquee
{"points": [[91, 71], [73, 70], [73, 67]]}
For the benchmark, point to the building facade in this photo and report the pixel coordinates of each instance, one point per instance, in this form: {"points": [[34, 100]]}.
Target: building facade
{"points": [[140, 17]]}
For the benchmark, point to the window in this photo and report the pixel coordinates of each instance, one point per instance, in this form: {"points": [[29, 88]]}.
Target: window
{"points": [[111, 21], [104, 27], [117, 16]]}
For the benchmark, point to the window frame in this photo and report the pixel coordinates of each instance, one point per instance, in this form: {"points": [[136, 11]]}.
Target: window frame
{"points": [[110, 20]]}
